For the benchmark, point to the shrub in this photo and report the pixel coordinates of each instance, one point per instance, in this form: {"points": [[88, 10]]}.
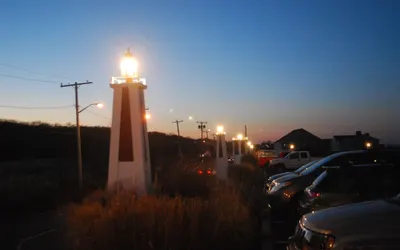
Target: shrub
{"points": [[125, 221]]}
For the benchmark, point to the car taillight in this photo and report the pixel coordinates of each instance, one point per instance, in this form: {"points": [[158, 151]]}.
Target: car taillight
{"points": [[200, 172], [313, 193], [208, 171]]}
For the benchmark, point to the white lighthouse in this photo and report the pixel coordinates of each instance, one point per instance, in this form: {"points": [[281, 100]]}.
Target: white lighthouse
{"points": [[129, 159], [221, 163]]}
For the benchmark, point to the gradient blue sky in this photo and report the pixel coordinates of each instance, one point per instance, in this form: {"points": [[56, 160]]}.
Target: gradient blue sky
{"points": [[331, 67]]}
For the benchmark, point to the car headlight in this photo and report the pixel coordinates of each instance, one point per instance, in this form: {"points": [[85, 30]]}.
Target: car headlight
{"points": [[281, 185]]}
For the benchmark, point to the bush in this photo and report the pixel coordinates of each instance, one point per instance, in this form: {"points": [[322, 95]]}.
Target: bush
{"points": [[125, 221], [249, 159]]}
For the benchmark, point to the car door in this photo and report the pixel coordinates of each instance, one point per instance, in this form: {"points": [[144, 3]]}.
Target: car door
{"points": [[293, 160], [339, 187], [304, 158]]}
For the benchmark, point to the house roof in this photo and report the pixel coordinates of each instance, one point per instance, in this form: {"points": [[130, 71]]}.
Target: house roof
{"points": [[296, 131], [342, 137]]}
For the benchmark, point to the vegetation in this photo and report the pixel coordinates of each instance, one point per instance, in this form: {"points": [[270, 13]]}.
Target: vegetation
{"points": [[226, 217], [38, 162], [124, 221], [187, 211]]}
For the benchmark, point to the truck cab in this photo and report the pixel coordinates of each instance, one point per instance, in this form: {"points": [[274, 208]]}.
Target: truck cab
{"points": [[264, 157], [290, 162]]}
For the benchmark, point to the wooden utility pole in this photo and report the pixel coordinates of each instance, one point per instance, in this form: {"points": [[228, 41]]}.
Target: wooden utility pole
{"points": [[202, 126], [177, 126], [76, 85]]}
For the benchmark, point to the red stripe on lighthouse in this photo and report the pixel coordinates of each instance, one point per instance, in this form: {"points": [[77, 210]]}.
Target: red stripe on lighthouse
{"points": [[125, 131]]}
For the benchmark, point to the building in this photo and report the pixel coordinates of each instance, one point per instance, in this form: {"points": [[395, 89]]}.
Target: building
{"points": [[353, 142], [301, 139]]}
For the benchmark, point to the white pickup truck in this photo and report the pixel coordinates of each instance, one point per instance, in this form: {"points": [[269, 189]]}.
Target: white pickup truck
{"points": [[291, 162]]}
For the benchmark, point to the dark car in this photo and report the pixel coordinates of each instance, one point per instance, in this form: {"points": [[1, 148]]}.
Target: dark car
{"points": [[364, 225], [339, 186], [286, 192], [276, 176]]}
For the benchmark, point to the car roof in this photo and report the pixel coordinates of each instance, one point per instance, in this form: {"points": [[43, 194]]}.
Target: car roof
{"points": [[374, 165]]}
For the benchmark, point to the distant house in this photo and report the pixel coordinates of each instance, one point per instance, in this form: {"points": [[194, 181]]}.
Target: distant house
{"points": [[353, 142], [301, 139]]}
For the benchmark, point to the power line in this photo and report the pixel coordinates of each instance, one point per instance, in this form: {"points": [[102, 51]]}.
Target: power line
{"points": [[98, 115], [32, 71], [36, 107], [27, 78]]}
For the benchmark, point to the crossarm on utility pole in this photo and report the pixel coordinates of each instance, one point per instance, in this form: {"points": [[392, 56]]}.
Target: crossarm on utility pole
{"points": [[177, 126]]}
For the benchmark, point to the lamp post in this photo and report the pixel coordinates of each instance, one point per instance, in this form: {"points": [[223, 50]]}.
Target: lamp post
{"points": [[78, 137]]}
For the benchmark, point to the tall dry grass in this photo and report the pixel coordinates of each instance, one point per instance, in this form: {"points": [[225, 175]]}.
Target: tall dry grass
{"points": [[125, 221]]}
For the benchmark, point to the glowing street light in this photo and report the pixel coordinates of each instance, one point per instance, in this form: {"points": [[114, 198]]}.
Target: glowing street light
{"points": [[78, 135], [368, 145], [97, 104], [190, 118], [251, 146], [291, 146], [249, 143], [239, 137], [147, 116]]}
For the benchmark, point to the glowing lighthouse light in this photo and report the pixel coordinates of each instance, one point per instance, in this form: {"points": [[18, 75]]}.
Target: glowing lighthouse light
{"points": [[220, 130], [129, 65], [129, 71]]}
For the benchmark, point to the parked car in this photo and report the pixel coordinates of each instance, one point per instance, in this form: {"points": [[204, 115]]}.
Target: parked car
{"points": [[297, 172], [290, 162], [286, 191], [365, 225], [338, 186]]}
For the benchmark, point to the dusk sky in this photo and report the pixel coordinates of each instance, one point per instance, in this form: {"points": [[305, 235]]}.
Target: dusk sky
{"points": [[330, 67]]}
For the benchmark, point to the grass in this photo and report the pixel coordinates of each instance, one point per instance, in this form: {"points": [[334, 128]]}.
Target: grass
{"points": [[186, 212], [125, 221], [222, 218]]}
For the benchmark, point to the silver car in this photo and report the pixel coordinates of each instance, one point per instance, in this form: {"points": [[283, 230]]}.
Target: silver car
{"points": [[364, 225]]}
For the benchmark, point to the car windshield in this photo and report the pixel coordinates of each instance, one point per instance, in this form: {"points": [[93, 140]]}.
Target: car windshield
{"points": [[320, 178], [320, 163], [299, 170], [289, 154], [266, 154]]}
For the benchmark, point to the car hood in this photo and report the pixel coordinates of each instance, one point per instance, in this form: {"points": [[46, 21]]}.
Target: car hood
{"points": [[287, 177], [276, 176], [380, 217], [275, 160]]}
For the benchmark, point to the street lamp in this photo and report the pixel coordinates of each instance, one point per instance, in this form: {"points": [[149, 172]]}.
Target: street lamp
{"points": [[291, 146], [78, 135], [97, 104]]}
